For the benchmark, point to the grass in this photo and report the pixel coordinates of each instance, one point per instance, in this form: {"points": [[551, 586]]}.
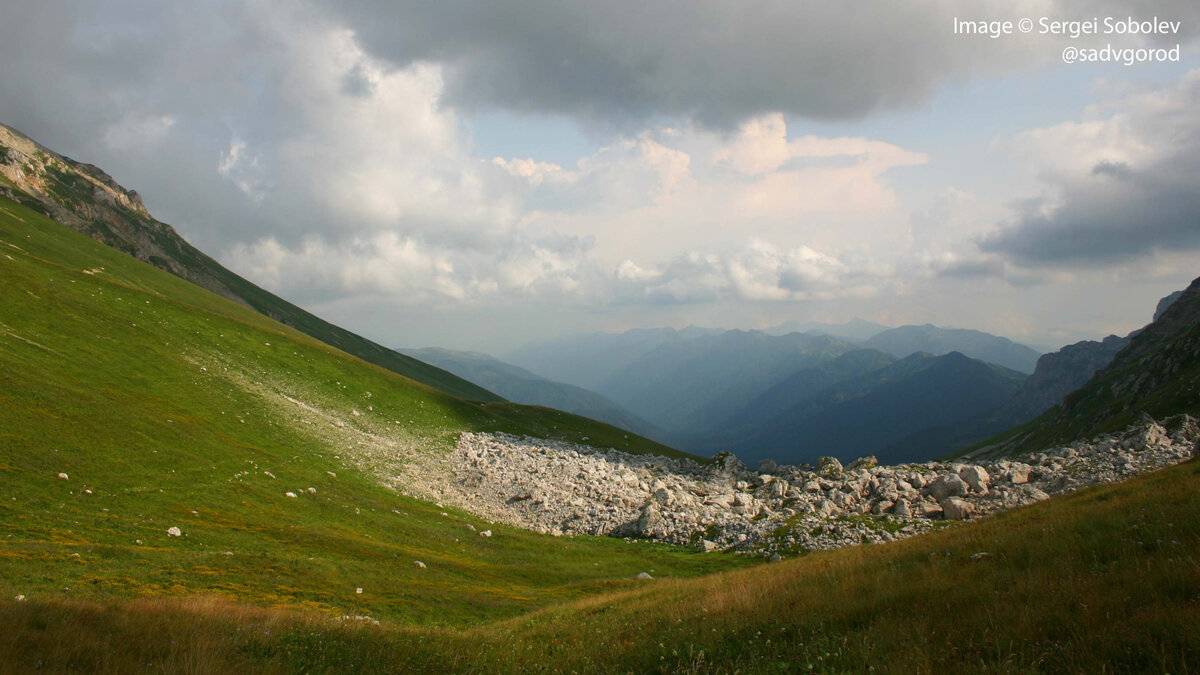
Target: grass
{"points": [[165, 406], [1103, 580]]}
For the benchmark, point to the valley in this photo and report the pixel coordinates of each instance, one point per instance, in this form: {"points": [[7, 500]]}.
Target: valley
{"points": [[208, 483]]}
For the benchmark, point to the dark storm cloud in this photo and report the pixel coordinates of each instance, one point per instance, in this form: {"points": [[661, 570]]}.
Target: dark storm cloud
{"points": [[714, 60], [717, 61], [1117, 210]]}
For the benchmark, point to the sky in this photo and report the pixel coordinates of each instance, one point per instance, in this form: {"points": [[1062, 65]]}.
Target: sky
{"points": [[481, 175]]}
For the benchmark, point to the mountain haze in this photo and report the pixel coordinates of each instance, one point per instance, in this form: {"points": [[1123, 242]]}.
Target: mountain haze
{"points": [[589, 359], [855, 329], [905, 340], [871, 413], [684, 385], [521, 386]]}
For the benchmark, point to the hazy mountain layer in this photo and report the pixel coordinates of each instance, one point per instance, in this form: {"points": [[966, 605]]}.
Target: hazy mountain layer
{"points": [[905, 340], [870, 413], [688, 385], [521, 386], [855, 329]]}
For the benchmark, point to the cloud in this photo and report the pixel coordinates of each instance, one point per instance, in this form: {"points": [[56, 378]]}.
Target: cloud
{"points": [[755, 271], [623, 61], [1119, 184], [690, 188]]}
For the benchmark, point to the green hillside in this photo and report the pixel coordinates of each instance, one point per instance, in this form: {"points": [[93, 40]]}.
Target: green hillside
{"points": [[167, 406], [87, 199], [1106, 579]]}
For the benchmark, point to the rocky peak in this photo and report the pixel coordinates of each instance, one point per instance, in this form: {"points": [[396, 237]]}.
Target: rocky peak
{"points": [[69, 190], [1165, 303]]}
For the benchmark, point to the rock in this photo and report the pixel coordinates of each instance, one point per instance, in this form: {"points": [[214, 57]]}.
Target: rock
{"points": [[643, 575], [579, 490], [829, 466], [419, 564], [776, 558], [864, 463], [1036, 495], [486, 534], [665, 496], [980, 555], [19, 598], [174, 532], [956, 508], [290, 494], [947, 486], [64, 476], [976, 477], [728, 462], [767, 466], [1019, 473]]}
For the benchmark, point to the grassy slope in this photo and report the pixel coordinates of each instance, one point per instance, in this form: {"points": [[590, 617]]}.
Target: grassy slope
{"points": [[118, 378], [157, 243], [1102, 580]]}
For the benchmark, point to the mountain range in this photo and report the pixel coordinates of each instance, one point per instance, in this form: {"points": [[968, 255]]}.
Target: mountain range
{"points": [[1156, 373], [855, 330], [905, 340], [521, 386], [190, 485]]}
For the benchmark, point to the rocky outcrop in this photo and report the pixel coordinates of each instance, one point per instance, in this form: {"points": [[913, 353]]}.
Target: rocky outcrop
{"points": [[562, 489], [1165, 303], [1058, 374]]}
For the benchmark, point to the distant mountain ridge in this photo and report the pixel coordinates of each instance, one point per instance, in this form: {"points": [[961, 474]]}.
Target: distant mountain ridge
{"points": [[905, 340], [687, 384], [88, 200], [1156, 373], [1058, 374], [855, 329], [712, 390], [521, 386], [873, 412], [589, 359]]}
